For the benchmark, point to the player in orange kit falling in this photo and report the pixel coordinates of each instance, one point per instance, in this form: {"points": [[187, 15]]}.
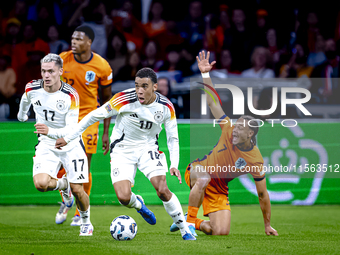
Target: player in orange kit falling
{"points": [[87, 72], [235, 154]]}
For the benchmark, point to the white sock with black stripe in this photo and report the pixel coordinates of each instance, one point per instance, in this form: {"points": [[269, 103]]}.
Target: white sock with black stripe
{"points": [[134, 202], [61, 184], [174, 209], [85, 216]]}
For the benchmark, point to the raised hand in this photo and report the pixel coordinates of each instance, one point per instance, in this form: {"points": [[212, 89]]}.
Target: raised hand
{"points": [[203, 62]]}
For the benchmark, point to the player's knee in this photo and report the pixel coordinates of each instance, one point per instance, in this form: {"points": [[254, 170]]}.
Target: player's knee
{"points": [[221, 231], [77, 190], [200, 179], [40, 185], [123, 197], [224, 233], [203, 182], [163, 192], [41, 182]]}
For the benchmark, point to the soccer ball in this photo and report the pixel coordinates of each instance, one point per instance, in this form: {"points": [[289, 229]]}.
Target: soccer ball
{"points": [[123, 228]]}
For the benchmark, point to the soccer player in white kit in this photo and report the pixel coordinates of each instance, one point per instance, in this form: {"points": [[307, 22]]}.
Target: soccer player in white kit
{"points": [[56, 106], [140, 113]]}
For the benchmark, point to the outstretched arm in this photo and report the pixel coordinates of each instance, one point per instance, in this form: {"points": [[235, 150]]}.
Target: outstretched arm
{"points": [[205, 67], [102, 112], [265, 206], [170, 125]]}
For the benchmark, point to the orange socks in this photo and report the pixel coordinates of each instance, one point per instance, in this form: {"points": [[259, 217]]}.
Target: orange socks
{"points": [[198, 223], [192, 217], [192, 214]]}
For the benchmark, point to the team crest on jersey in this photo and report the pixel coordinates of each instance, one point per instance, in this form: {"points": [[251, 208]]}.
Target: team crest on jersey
{"points": [[159, 116], [60, 105], [115, 172], [240, 163], [90, 76], [37, 167]]}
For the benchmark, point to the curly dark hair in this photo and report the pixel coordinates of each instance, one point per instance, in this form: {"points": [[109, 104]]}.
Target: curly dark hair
{"points": [[147, 72]]}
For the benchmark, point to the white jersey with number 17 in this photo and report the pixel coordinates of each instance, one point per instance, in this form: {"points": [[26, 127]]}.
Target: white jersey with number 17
{"points": [[58, 110]]}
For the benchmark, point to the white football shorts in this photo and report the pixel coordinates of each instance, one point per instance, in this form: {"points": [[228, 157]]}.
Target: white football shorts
{"points": [[48, 160], [125, 161]]}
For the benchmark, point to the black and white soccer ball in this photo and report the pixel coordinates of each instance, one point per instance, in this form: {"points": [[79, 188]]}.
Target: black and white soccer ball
{"points": [[123, 228]]}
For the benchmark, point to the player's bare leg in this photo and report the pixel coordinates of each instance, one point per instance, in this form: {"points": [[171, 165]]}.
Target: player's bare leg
{"points": [[219, 223], [44, 182], [199, 180], [63, 210], [82, 199], [127, 198], [123, 191], [161, 187], [83, 205], [171, 205]]}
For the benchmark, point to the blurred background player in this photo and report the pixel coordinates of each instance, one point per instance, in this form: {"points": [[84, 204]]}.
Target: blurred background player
{"points": [[88, 73], [236, 148], [56, 107], [134, 144]]}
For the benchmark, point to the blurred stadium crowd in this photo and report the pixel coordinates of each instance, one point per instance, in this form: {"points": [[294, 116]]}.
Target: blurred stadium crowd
{"points": [[250, 39]]}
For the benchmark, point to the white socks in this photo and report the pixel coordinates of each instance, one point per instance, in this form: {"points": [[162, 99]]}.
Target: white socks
{"points": [[61, 184], [134, 202], [174, 209], [85, 216]]}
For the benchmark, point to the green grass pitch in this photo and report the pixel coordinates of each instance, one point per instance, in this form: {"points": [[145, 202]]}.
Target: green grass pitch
{"points": [[302, 230]]}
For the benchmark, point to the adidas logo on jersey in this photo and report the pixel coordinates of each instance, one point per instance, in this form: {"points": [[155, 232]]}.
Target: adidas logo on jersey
{"points": [[134, 115], [81, 177], [38, 103], [159, 163]]}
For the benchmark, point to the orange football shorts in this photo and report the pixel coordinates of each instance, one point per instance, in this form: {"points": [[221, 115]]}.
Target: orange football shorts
{"points": [[213, 200]]}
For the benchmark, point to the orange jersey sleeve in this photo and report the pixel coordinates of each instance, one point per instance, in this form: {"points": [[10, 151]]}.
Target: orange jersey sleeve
{"points": [[86, 77], [226, 162]]}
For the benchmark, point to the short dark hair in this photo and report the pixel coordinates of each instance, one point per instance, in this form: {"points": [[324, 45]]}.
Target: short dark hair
{"points": [[147, 72], [254, 126], [87, 30]]}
